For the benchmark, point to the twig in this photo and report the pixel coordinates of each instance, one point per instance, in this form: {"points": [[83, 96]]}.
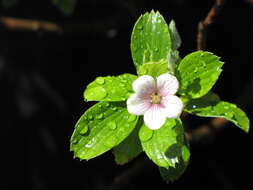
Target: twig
{"points": [[216, 124], [203, 25], [32, 25], [99, 26]]}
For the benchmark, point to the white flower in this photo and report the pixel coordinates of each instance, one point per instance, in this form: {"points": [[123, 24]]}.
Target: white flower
{"points": [[155, 100]]}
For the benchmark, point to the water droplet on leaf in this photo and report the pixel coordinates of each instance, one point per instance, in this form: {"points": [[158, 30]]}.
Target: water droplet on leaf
{"points": [[114, 108], [194, 106], [96, 93], [139, 27], [74, 141], [229, 114], [135, 49], [131, 118], [84, 130], [90, 117], [122, 85], [100, 80], [111, 141], [90, 143], [145, 133], [162, 162], [100, 116], [112, 125]]}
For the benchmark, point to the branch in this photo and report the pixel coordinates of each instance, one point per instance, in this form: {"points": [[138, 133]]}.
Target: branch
{"points": [[203, 25], [32, 25]]}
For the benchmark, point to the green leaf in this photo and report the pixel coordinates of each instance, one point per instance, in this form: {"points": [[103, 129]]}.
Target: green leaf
{"points": [[173, 173], [163, 146], [150, 40], [210, 106], [9, 3], [173, 60], [176, 40], [66, 6], [110, 88], [197, 73], [102, 127], [153, 69], [129, 148]]}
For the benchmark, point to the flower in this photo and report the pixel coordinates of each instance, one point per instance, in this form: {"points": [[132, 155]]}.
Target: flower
{"points": [[155, 99]]}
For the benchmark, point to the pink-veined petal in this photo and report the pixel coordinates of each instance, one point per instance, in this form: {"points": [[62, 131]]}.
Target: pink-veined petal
{"points": [[137, 105], [154, 117], [144, 85], [173, 106], [167, 84]]}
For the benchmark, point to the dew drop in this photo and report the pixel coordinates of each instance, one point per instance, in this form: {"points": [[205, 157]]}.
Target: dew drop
{"points": [[112, 125], [229, 114], [233, 106], [90, 143], [156, 49], [111, 141], [145, 133], [100, 80], [114, 108], [139, 27], [122, 85], [174, 160], [100, 116], [90, 117], [107, 104], [161, 161], [135, 49], [96, 93], [194, 106], [84, 130], [74, 141], [131, 118], [129, 94]]}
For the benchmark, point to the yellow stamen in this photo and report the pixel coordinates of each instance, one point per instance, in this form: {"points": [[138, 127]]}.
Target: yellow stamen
{"points": [[155, 98]]}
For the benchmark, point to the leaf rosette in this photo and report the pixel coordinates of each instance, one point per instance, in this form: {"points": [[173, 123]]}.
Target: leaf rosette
{"points": [[109, 125]]}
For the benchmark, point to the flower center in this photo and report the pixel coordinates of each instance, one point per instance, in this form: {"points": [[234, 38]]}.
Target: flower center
{"points": [[155, 98]]}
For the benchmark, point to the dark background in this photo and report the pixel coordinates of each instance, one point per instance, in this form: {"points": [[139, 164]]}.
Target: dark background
{"points": [[43, 75]]}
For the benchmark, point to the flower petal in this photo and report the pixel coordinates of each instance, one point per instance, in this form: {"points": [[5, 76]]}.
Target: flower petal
{"points": [[144, 85], [154, 117], [167, 84], [173, 106], [137, 105]]}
